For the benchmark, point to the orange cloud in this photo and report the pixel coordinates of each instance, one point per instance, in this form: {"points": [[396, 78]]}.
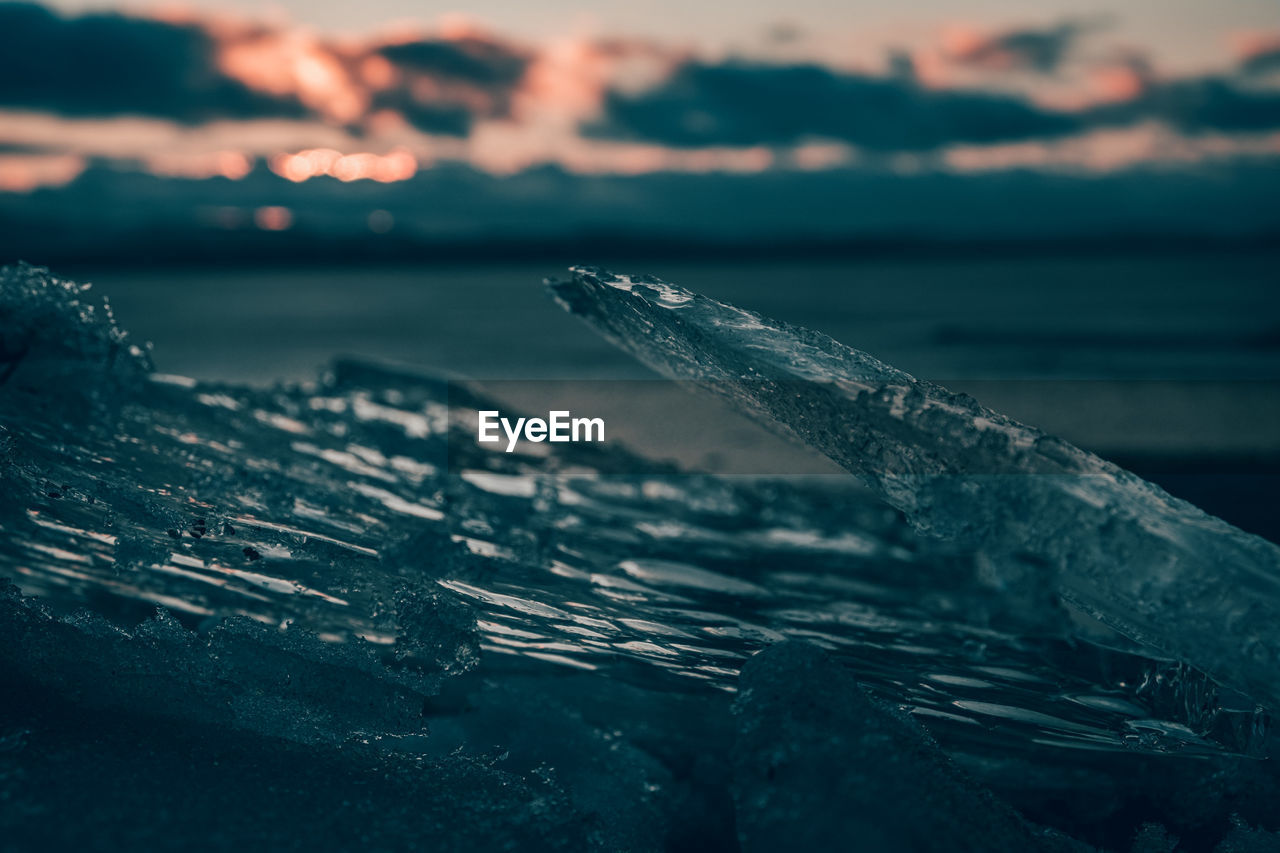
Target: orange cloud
{"points": [[1125, 76], [23, 173], [197, 165], [293, 63]]}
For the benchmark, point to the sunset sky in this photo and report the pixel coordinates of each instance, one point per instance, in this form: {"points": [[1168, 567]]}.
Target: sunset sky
{"points": [[386, 91], [1185, 33]]}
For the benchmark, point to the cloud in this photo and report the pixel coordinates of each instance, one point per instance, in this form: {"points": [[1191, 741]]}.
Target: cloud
{"points": [[203, 69], [1196, 105], [444, 85], [473, 60], [22, 173], [1040, 50], [207, 94], [1123, 76], [741, 103], [1261, 57], [105, 64]]}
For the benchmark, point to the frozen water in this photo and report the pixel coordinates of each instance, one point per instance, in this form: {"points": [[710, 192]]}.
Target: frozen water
{"points": [[343, 509], [339, 566], [1040, 511], [817, 763]]}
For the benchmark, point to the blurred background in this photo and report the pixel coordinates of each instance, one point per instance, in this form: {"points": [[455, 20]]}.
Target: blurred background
{"points": [[1070, 212]]}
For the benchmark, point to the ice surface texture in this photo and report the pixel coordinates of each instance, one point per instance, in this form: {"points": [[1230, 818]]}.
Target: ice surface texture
{"points": [[351, 512], [477, 649], [58, 329], [1118, 547], [819, 765]]}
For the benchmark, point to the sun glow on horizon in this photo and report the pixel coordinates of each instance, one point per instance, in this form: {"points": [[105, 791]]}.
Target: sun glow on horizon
{"points": [[398, 164]]}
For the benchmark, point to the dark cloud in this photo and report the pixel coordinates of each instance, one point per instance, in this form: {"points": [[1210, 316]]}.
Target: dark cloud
{"points": [[753, 104], [1197, 105], [19, 148], [473, 60], [1040, 50], [107, 64], [748, 104], [448, 84], [548, 208], [443, 119], [1264, 61]]}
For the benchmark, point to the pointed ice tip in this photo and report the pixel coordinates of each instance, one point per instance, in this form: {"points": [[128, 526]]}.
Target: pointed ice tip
{"points": [[580, 295], [569, 294], [648, 287], [585, 274]]}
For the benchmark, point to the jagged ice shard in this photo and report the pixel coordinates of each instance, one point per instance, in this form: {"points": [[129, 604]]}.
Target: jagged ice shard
{"points": [[1103, 540]]}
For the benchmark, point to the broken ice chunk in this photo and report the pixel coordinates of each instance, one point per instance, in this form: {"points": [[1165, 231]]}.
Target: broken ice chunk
{"points": [[1154, 567], [52, 329]]}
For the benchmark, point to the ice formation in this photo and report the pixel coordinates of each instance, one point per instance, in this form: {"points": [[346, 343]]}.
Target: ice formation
{"points": [[839, 769], [1043, 511], [235, 592]]}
